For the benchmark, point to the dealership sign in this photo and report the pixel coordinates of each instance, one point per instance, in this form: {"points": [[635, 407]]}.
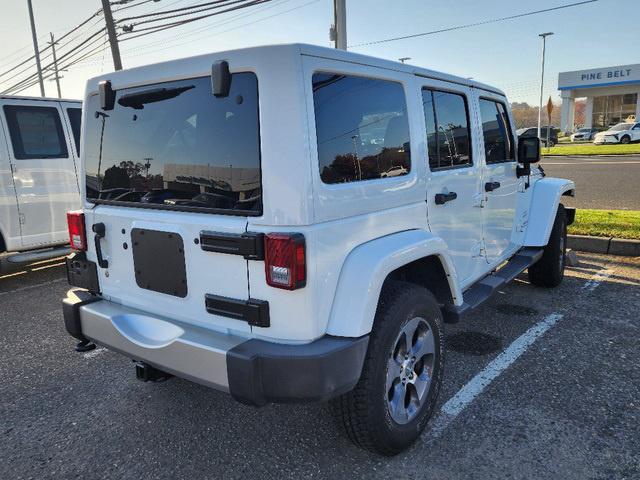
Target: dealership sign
{"points": [[599, 77]]}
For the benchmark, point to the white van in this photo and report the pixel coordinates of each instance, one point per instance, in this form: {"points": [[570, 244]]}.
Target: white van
{"points": [[39, 151]]}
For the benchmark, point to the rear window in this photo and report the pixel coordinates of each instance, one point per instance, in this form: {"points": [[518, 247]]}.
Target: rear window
{"points": [[361, 127], [36, 132], [75, 118], [176, 146]]}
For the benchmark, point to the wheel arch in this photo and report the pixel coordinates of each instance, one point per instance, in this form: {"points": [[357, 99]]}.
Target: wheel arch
{"points": [[417, 256], [545, 199]]}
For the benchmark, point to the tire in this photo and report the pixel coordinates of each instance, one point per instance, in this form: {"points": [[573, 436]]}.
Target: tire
{"points": [[549, 270], [626, 139], [366, 413]]}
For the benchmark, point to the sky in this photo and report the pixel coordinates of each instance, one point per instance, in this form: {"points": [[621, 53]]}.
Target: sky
{"points": [[505, 54]]}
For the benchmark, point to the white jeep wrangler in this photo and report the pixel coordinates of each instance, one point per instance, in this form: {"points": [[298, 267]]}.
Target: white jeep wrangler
{"points": [[293, 223]]}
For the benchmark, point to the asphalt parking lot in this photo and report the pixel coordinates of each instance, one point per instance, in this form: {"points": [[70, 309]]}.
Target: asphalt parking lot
{"points": [[602, 182], [538, 384]]}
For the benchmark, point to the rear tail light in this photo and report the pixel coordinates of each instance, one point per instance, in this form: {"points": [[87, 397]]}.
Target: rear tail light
{"points": [[285, 260], [77, 233]]}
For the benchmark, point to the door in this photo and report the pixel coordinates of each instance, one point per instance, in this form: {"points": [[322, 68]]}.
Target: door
{"points": [[43, 171], [499, 181], [453, 189], [174, 179], [9, 221], [635, 133]]}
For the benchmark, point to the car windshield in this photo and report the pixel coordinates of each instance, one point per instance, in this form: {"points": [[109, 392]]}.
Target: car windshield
{"points": [[620, 127], [166, 145], [584, 130]]}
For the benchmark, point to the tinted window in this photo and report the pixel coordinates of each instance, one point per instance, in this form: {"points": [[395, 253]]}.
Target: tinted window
{"points": [[498, 142], [448, 136], [36, 132], [361, 128], [175, 145], [75, 115]]}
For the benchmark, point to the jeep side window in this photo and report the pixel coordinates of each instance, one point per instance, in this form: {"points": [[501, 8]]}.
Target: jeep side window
{"points": [[498, 140], [361, 128], [448, 136], [36, 132]]}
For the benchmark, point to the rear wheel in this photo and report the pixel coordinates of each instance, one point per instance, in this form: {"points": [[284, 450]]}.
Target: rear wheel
{"points": [[549, 270], [401, 377], [626, 139]]}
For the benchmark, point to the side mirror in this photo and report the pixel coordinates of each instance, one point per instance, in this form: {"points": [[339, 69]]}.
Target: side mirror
{"points": [[528, 150]]}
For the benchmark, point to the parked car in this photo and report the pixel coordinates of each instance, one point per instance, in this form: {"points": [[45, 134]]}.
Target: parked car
{"points": [[327, 279], [533, 132], [583, 134], [39, 150], [621, 133]]}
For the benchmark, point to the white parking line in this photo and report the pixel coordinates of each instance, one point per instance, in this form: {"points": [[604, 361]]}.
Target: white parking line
{"points": [[597, 279], [94, 353], [468, 393]]}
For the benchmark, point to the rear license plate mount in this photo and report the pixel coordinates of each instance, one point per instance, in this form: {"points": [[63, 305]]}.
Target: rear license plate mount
{"points": [[158, 260]]}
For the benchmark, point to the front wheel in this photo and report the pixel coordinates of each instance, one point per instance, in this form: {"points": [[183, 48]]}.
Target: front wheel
{"points": [[626, 139], [391, 404], [549, 270]]}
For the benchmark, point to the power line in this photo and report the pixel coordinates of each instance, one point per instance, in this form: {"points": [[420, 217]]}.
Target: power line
{"points": [[166, 12], [156, 28], [238, 26], [475, 24], [244, 4]]}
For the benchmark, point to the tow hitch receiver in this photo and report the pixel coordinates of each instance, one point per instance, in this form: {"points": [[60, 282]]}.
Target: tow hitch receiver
{"points": [[147, 373]]}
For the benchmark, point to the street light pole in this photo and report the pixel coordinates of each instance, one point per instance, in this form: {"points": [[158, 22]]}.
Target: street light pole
{"points": [[544, 42], [35, 47]]}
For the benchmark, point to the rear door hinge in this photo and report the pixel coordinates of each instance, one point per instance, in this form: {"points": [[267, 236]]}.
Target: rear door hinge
{"points": [[248, 244], [22, 219]]}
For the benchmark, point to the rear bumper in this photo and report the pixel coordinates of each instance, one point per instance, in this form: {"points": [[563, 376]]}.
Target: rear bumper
{"points": [[252, 371]]}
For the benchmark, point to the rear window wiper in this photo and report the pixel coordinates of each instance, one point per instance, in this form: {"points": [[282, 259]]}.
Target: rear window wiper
{"points": [[138, 99]]}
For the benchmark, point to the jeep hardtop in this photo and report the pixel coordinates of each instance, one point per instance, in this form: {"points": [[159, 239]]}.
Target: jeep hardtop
{"points": [[294, 223]]}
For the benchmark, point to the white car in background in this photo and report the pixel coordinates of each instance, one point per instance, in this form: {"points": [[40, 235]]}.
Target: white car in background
{"points": [[620, 133], [583, 134]]}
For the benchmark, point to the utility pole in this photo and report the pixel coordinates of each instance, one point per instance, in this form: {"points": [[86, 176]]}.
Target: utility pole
{"points": [[111, 31], [36, 49], [339, 31], [57, 76], [544, 42]]}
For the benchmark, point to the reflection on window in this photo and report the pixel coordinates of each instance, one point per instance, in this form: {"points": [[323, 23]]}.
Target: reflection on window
{"points": [[75, 117], [36, 132], [448, 137], [498, 141], [176, 145], [613, 109], [361, 128]]}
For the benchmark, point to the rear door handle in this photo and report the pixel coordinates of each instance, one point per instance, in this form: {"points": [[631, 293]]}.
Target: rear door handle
{"points": [[442, 198], [491, 186], [99, 229]]}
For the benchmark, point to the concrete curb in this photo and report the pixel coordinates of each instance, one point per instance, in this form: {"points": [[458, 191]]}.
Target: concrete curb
{"points": [[612, 246]]}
